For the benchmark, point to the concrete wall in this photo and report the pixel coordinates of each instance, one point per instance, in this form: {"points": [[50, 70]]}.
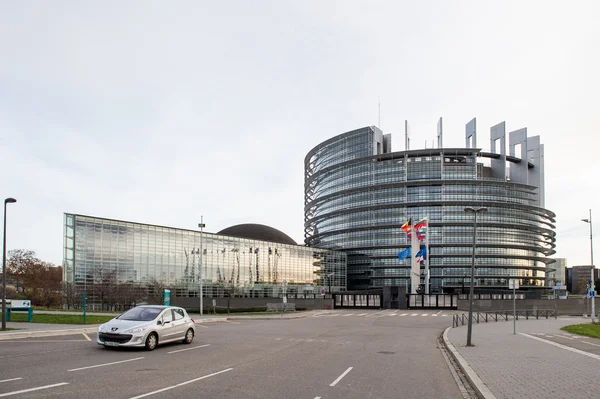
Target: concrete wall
{"points": [[571, 306], [194, 303]]}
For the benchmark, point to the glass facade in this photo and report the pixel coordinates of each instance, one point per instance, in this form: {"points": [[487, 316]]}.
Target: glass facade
{"points": [[140, 253], [357, 203]]}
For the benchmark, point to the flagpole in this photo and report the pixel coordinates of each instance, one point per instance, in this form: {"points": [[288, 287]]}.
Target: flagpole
{"points": [[427, 255], [415, 266]]}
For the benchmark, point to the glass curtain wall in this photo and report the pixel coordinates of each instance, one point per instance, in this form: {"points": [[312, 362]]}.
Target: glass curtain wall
{"points": [[102, 251]]}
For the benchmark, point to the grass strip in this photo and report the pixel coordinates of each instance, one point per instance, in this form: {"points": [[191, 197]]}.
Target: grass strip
{"points": [[60, 318], [589, 330]]}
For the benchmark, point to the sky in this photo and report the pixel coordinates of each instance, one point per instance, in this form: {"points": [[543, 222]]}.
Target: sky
{"points": [[163, 112]]}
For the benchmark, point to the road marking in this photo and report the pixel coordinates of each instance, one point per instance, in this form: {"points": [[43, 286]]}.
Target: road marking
{"points": [[414, 314], [585, 342], [349, 314], [377, 313], [12, 379], [317, 397], [107, 364], [592, 355], [189, 349], [434, 315], [335, 314], [438, 312], [340, 377], [30, 341], [362, 314], [198, 325], [425, 314], [561, 336], [444, 315], [181, 384], [86, 336], [32, 389], [393, 314]]}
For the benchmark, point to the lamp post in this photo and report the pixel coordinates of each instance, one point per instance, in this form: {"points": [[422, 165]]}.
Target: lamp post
{"points": [[329, 275], [6, 201], [474, 211], [589, 221], [201, 277]]}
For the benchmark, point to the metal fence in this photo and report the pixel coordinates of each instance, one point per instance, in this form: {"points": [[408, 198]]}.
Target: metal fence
{"points": [[483, 317]]}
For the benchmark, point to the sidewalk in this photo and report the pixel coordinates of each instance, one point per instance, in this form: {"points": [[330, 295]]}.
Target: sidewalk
{"points": [[534, 363], [31, 330]]}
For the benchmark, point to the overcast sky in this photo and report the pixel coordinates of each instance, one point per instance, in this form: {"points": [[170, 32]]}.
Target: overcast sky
{"points": [[160, 112]]}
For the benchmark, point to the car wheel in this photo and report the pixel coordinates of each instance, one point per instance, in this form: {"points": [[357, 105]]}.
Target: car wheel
{"points": [[189, 336], [151, 341]]}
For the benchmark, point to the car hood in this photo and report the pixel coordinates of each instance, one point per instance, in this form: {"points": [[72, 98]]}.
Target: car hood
{"points": [[123, 325]]}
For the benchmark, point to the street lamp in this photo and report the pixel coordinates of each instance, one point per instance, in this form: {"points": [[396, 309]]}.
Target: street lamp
{"points": [[6, 201], [201, 225], [329, 275], [474, 211], [589, 221]]}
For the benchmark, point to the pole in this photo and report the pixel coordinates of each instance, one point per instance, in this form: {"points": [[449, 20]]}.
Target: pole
{"points": [[593, 299], [514, 307], [201, 225], [4, 274], [84, 306], [471, 291], [427, 254]]}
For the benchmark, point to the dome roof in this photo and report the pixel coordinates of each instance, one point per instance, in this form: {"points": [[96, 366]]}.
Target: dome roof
{"points": [[257, 232]]}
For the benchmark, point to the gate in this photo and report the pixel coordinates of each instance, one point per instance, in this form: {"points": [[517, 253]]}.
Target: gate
{"points": [[432, 301], [357, 301]]}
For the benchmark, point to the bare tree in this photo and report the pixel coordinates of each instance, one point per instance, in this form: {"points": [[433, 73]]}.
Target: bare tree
{"points": [[156, 289]]}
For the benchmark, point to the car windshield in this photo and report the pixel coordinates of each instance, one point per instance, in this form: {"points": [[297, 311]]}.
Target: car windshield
{"points": [[140, 314]]}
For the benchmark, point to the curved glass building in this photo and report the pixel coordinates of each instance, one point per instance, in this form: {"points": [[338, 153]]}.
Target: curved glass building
{"points": [[358, 193]]}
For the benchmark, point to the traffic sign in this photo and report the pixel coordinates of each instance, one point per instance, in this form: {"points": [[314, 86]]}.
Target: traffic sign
{"points": [[323, 291], [513, 284]]}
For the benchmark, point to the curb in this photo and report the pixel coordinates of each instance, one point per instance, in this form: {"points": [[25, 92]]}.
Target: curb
{"points": [[46, 333], [482, 390]]}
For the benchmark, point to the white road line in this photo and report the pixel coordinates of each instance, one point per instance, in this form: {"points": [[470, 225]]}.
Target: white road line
{"points": [[32, 389], [425, 314], [181, 384], [86, 336], [403, 314], [438, 312], [362, 314], [189, 349], [340, 377], [585, 342], [393, 314], [317, 397], [335, 314], [12, 379], [444, 315], [561, 336], [106, 364], [592, 355], [414, 314], [199, 325], [433, 315], [349, 314]]}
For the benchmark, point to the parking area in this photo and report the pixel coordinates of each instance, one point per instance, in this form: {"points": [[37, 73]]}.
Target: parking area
{"points": [[313, 357]]}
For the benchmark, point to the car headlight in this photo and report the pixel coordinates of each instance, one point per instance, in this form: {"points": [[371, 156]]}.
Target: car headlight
{"points": [[136, 330], [101, 328]]}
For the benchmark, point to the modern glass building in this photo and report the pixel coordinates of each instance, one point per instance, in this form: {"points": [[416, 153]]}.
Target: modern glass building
{"points": [[104, 251], [358, 193]]}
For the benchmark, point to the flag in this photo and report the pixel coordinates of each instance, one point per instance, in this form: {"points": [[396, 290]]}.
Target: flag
{"points": [[422, 254], [404, 254], [420, 224], [406, 226]]}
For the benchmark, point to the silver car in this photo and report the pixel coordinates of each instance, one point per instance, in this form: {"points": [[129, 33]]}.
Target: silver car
{"points": [[147, 326]]}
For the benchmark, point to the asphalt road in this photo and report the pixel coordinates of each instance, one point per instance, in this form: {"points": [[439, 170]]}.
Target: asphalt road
{"points": [[337, 354]]}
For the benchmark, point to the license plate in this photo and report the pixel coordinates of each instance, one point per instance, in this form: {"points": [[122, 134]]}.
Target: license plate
{"points": [[111, 343]]}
